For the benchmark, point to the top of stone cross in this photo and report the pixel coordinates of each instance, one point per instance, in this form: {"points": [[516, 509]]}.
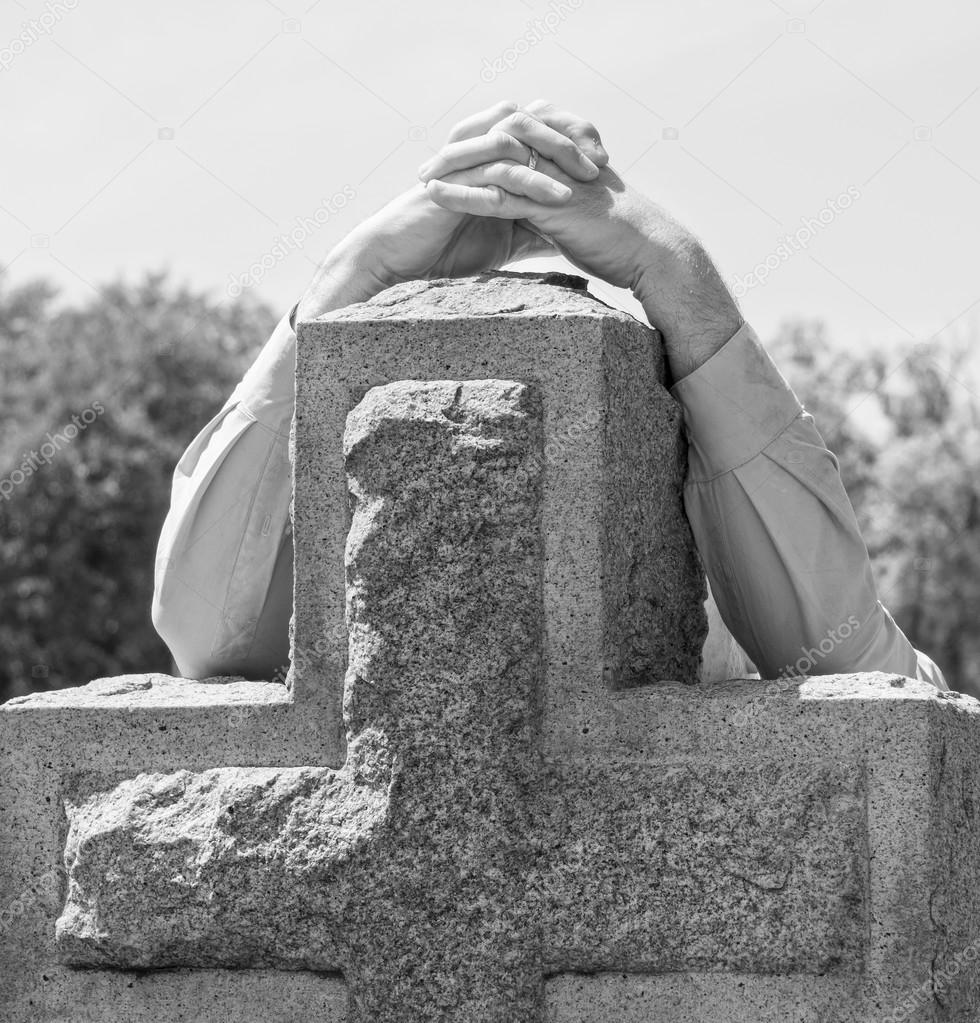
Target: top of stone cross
{"points": [[508, 837], [490, 294], [624, 587]]}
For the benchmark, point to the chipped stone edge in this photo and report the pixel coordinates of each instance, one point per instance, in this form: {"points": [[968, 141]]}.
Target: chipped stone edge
{"points": [[876, 685], [154, 690], [377, 309]]}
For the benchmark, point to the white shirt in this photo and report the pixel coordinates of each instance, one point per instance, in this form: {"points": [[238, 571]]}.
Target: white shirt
{"points": [[775, 528]]}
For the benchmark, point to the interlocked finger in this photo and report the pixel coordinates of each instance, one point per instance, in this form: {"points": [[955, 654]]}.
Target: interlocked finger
{"points": [[481, 123], [583, 133], [472, 152], [480, 201], [516, 179]]}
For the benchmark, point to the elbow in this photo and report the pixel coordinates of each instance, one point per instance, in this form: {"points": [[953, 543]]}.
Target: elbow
{"points": [[876, 644], [190, 634], [166, 627], [188, 646]]}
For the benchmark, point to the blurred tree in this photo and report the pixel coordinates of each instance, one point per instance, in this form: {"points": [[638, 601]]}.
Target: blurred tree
{"points": [[906, 430], [141, 369]]}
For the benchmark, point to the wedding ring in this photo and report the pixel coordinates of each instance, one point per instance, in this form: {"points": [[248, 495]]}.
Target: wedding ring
{"points": [[533, 162]]}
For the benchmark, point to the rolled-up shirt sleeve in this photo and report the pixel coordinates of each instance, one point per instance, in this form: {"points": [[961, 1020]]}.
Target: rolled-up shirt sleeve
{"points": [[776, 530], [223, 576]]}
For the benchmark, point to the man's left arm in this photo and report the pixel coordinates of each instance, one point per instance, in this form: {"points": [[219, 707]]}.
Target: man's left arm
{"points": [[775, 528], [781, 545]]}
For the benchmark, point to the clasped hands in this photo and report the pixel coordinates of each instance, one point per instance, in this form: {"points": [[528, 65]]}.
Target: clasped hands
{"points": [[480, 206]]}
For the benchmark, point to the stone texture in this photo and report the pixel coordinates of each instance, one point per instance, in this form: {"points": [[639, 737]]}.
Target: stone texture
{"points": [[119, 728], [186, 996], [623, 585], [448, 868], [511, 832], [686, 997], [488, 868], [156, 690]]}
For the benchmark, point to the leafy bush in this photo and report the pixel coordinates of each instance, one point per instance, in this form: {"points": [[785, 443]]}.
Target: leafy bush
{"points": [[141, 368]]}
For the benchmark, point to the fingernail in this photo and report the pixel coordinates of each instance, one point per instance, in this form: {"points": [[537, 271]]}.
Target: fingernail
{"points": [[424, 170], [590, 168], [559, 190]]}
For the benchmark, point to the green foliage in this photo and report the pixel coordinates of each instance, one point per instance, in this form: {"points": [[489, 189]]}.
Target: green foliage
{"points": [[142, 369]]}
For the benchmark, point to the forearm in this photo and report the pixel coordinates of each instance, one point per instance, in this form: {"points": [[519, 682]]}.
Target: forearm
{"points": [[685, 298], [344, 278]]}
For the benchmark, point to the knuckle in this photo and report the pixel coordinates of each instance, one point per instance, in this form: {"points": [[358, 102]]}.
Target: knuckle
{"points": [[458, 130], [501, 142], [566, 147], [496, 196], [520, 120]]}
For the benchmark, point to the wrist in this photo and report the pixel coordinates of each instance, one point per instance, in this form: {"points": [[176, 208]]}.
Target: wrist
{"points": [[685, 298], [342, 279]]}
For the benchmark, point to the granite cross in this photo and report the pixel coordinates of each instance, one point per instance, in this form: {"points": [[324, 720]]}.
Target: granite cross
{"points": [[532, 804]]}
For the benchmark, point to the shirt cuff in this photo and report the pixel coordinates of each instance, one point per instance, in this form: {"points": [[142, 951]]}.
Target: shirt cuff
{"points": [[735, 405], [267, 392]]}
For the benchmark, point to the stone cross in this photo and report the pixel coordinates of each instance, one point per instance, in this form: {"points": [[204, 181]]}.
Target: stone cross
{"points": [[531, 816]]}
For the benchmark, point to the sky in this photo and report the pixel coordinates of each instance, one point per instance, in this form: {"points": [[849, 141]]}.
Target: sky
{"points": [[832, 144]]}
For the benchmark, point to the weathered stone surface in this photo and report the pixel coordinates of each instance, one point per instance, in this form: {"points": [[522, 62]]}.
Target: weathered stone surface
{"points": [[721, 997], [491, 295], [951, 880], [823, 734], [185, 996], [155, 689], [628, 869], [445, 615], [505, 813], [623, 586], [487, 867]]}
